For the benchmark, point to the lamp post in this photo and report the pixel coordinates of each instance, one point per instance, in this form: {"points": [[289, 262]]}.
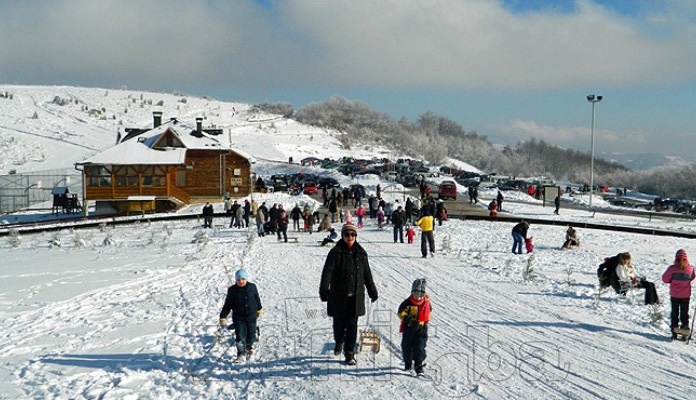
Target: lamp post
{"points": [[592, 99]]}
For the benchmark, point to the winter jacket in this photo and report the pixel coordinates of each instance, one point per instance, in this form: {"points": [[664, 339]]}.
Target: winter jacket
{"points": [[679, 281], [296, 213], [244, 302], [345, 277], [399, 218], [426, 223], [521, 228], [626, 273], [360, 212]]}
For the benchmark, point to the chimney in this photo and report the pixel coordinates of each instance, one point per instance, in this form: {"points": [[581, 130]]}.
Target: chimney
{"points": [[157, 118], [199, 125]]}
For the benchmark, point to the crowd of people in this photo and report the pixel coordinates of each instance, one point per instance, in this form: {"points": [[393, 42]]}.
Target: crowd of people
{"points": [[346, 276]]}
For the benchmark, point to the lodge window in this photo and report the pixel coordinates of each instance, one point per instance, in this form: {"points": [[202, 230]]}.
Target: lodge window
{"points": [[126, 176], [154, 176], [98, 176], [181, 178]]}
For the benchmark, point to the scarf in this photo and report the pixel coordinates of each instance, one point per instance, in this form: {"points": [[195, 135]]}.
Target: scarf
{"points": [[423, 308], [423, 311]]}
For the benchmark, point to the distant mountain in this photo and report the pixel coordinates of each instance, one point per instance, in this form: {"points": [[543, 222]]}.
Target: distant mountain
{"points": [[644, 161]]}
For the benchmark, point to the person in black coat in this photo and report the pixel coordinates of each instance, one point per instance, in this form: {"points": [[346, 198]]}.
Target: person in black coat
{"points": [[607, 271], [519, 234], [208, 213], [399, 220], [244, 302], [345, 277]]}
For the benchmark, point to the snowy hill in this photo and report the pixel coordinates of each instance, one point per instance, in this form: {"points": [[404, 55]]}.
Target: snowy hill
{"points": [[126, 312], [51, 127]]}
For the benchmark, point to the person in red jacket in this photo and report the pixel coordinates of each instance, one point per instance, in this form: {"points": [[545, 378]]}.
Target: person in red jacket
{"points": [[679, 276]]}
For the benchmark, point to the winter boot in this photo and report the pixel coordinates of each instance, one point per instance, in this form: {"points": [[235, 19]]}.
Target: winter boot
{"points": [[350, 358], [338, 349], [419, 369], [241, 352], [407, 367], [249, 353]]}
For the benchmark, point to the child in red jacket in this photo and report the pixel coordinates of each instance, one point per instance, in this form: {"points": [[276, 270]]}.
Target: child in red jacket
{"points": [[410, 233], [679, 276]]}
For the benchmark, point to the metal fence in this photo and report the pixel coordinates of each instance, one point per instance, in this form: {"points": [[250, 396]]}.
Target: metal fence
{"points": [[21, 191]]}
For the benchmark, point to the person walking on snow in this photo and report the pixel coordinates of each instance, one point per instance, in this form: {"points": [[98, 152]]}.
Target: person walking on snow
{"points": [[679, 277], [410, 234], [360, 213], [245, 304], [414, 313], [345, 277], [427, 223]]}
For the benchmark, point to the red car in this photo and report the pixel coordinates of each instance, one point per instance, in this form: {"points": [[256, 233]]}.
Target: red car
{"points": [[310, 188]]}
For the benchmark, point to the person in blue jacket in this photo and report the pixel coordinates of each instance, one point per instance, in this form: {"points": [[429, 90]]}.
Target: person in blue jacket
{"points": [[244, 302]]}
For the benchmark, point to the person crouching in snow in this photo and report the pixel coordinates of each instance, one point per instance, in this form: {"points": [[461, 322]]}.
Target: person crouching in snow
{"points": [[410, 234], [679, 276], [244, 302], [414, 313]]}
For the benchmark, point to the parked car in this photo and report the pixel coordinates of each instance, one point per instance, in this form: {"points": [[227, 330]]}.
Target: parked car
{"points": [[310, 187], [447, 190], [328, 182]]}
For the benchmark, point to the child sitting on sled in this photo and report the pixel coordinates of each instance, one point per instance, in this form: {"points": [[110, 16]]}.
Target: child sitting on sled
{"points": [[414, 313]]}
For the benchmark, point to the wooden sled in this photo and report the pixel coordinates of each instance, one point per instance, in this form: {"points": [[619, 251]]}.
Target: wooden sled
{"points": [[684, 333], [370, 339]]}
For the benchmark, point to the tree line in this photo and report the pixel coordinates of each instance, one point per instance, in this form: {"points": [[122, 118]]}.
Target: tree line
{"points": [[434, 138]]}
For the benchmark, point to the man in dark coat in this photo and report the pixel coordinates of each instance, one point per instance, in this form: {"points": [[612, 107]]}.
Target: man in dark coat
{"points": [[208, 213], [399, 220], [244, 302], [345, 277]]}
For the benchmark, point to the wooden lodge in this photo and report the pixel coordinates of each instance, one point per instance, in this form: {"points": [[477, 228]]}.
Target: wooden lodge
{"points": [[164, 167]]}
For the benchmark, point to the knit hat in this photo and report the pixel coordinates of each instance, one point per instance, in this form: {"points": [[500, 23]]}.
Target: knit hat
{"points": [[681, 255], [241, 274], [348, 228], [418, 288]]}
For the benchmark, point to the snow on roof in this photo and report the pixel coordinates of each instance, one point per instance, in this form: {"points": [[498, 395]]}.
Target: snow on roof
{"points": [[139, 149]]}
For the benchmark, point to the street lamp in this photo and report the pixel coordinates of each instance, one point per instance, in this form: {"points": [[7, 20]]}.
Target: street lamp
{"points": [[592, 99]]}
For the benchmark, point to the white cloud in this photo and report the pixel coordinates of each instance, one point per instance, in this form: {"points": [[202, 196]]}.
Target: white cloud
{"points": [[449, 43], [579, 137]]}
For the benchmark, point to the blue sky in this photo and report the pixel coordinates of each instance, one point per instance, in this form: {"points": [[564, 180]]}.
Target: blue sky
{"points": [[509, 69]]}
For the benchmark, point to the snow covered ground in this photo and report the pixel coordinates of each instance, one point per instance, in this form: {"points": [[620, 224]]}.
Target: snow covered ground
{"points": [[126, 312]]}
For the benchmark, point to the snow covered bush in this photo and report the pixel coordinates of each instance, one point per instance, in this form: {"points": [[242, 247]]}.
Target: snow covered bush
{"points": [[15, 240], [528, 273]]}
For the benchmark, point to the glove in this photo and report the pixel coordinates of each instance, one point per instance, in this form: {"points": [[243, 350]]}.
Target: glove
{"points": [[223, 322], [374, 299], [324, 295], [259, 312], [633, 280]]}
